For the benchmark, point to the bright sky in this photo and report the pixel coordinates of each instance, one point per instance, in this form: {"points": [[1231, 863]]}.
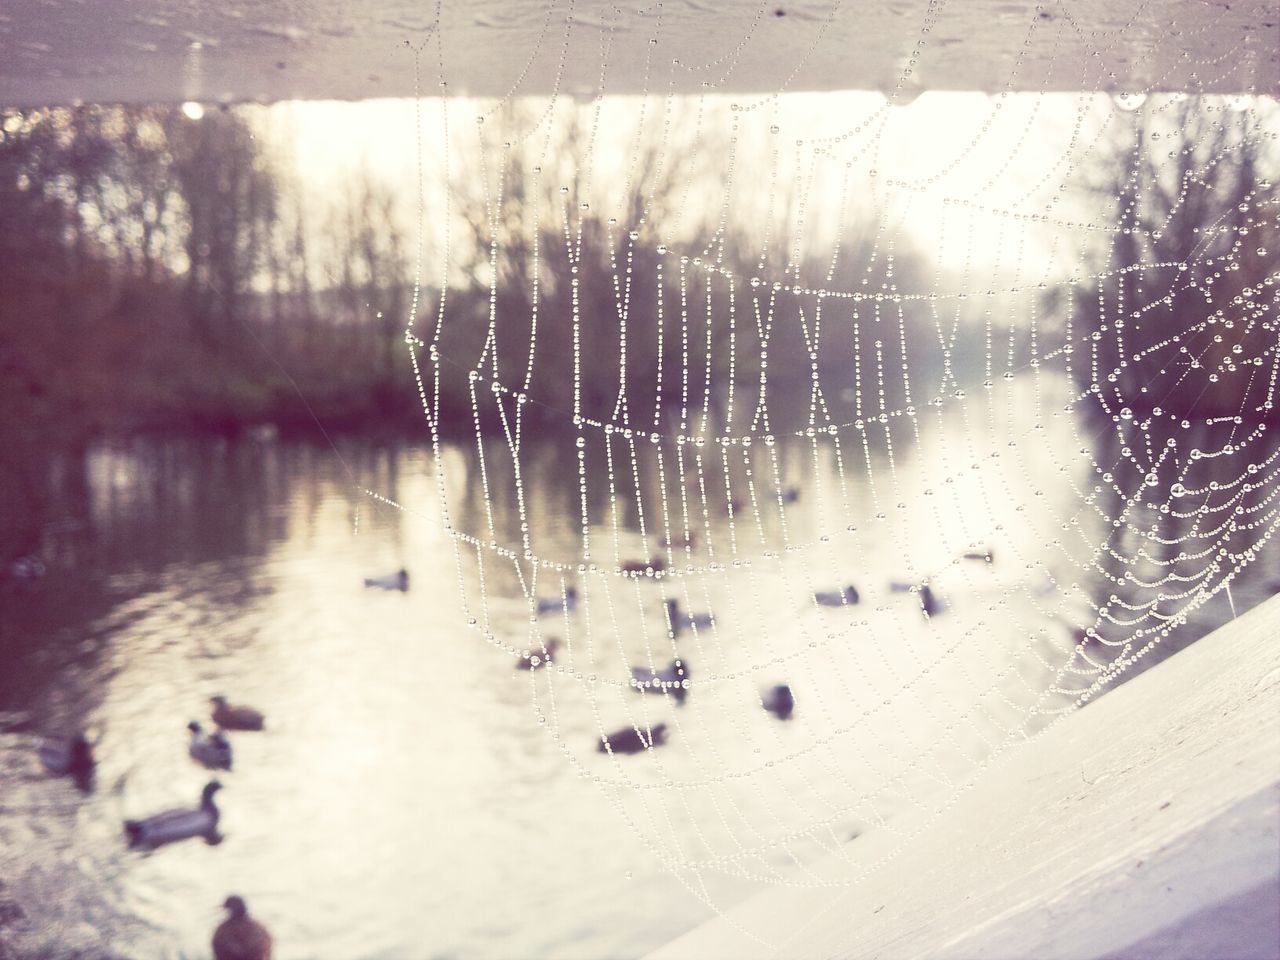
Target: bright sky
{"points": [[964, 175]]}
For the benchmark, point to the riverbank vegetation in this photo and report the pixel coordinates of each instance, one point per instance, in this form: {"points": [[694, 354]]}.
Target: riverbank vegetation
{"points": [[1179, 313], [162, 269]]}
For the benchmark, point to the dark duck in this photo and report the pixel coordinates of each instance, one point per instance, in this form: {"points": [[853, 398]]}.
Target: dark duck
{"points": [[846, 596], [392, 581], [210, 750], [669, 679], [930, 605], [69, 757], [681, 621], [657, 565], [779, 701], [174, 825], [539, 657], [631, 740], [555, 604]]}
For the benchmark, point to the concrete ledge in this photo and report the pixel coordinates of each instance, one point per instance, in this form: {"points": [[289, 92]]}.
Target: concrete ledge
{"points": [[1145, 825]]}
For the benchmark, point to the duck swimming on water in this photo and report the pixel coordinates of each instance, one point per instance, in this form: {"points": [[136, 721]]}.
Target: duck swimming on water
{"points": [[230, 717], [240, 937], [28, 568], [69, 757], [211, 750], [539, 657], [555, 604], [779, 701], [689, 539], [631, 740], [837, 598], [174, 825], [394, 581], [670, 678], [657, 564], [687, 621], [930, 605]]}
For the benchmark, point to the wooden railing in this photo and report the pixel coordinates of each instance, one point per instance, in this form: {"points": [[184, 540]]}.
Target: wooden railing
{"points": [[1146, 825]]}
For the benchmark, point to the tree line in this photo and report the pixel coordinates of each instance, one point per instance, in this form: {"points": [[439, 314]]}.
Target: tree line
{"points": [[1178, 314]]}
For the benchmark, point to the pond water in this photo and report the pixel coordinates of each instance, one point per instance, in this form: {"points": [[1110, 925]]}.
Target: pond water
{"points": [[415, 795]]}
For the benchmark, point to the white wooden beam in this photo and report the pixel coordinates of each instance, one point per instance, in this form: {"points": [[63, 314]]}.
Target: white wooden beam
{"points": [[60, 51], [1145, 825]]}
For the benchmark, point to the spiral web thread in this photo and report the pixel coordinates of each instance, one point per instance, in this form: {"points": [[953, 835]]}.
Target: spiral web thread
{"points": [[1031, 430]]}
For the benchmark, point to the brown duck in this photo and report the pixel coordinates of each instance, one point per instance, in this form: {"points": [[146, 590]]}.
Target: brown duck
{"points": [[230, 717], [539, 657], [240, 937]]}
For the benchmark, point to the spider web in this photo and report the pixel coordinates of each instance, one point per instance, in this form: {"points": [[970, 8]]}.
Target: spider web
{"points": [[946, 414]]}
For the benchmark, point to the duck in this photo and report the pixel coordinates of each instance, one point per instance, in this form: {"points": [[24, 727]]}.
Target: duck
{"points": [[211, 750], [986, 555], [264, 433], [836, 598], [690, 540], [631, 740], [668, 679], [930, 605], [657, 565], [555, 604], [392, 581], [779, 701], [790, 494], [69, 756], [29, 567], [240, 937], [174, 825], [687, 621], [230, 717], [535, 659]]}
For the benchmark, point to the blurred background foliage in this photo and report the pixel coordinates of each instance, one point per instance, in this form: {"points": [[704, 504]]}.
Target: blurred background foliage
{"points": [[165, 271]]}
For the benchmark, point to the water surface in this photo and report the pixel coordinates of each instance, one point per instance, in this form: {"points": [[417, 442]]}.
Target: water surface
{"points": [[414, 795]]}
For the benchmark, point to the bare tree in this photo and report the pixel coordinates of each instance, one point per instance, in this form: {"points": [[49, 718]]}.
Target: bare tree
{"points": [[553, 275], [1178, 313], [229, 191], [371, 265]]}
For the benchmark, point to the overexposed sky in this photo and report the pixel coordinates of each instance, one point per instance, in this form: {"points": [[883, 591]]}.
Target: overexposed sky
{"points": [[953, 170], [982, 184]]}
